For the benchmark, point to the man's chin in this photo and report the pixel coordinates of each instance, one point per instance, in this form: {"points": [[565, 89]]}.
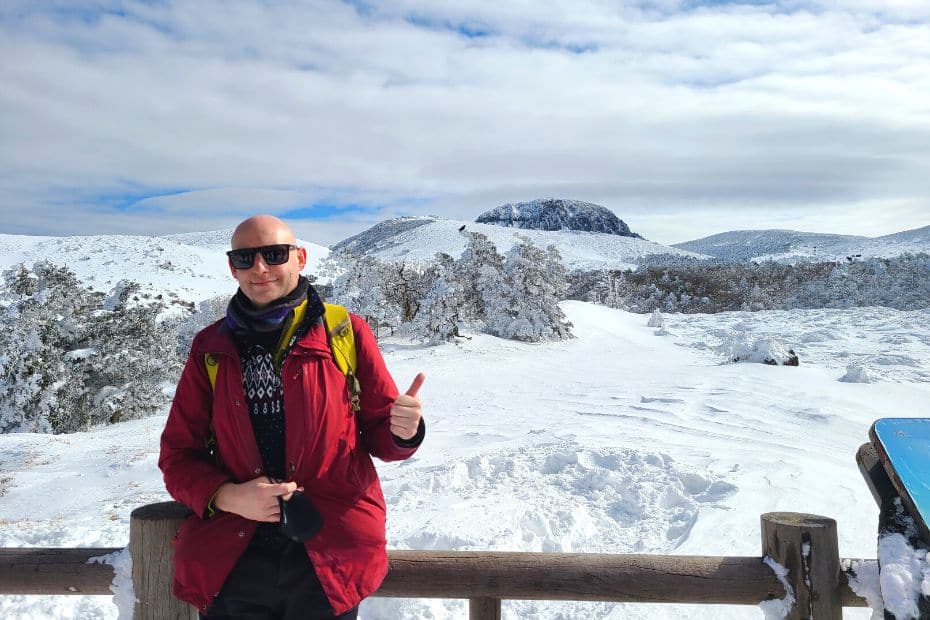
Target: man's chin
{"points": [[261, 298]]}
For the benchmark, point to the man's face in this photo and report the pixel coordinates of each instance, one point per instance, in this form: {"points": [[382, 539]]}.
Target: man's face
{"points": [[264, 283]]}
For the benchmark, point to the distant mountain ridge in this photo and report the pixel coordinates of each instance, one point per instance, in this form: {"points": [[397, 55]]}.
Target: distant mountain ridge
{"points": [[380, 236], [419, 239], [557, 214], [792, 246]]}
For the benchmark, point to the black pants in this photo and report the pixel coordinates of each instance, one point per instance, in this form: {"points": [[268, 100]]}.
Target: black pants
{"points": [[273, 584]]}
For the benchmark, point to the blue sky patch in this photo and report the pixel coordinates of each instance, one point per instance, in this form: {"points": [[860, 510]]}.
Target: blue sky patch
{"points": [[328, 210], [123, 201], [692, 4], [467, 29], [555, 45], [365, 9]]}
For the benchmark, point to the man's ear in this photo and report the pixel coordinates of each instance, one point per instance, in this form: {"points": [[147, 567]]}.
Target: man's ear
{"points": [[301, 258], [232, 269]]}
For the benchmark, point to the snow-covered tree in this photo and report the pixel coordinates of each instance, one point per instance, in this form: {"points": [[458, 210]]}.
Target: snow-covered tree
{"points": [[902, 282], [208, 311], [360, 288], [524, 304], [438, 319], [479, 271], [72, 358], [405, 285]]}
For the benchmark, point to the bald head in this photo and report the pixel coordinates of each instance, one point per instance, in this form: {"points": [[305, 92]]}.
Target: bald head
{"points": [[263, 283], [263, 227]]}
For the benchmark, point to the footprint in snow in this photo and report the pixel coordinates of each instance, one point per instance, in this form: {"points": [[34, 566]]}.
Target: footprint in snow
{"points": [[552, 497]]}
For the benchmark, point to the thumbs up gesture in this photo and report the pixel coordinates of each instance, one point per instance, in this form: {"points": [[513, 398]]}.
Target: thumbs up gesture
{"points": [[407, 410]]}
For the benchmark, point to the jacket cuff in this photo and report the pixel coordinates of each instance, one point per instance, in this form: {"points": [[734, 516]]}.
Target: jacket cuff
{"points": [[211, 508], [415, 441]]}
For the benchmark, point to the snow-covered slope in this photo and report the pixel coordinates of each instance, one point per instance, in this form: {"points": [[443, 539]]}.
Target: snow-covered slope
{"points": [[419, 239], [627, 438], [189, 267], [621, 440], [791, 245], [382, 235]]}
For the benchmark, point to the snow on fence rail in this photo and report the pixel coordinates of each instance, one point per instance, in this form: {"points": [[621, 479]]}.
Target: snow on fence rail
{"points": [[805, 545]]}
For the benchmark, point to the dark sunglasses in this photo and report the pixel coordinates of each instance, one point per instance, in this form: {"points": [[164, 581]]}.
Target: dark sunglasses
{"points": [[276, 254]]}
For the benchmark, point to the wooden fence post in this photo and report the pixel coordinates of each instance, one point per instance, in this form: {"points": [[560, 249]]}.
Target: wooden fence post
{"points": [[807, 546], [484, 608], [151, 529]]}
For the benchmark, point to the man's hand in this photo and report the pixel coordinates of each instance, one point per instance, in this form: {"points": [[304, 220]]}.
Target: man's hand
{"points": [[407, 410], [256, 499]]}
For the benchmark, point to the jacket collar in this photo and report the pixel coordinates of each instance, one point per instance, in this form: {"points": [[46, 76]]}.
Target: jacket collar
{"points": [[218, 337]]}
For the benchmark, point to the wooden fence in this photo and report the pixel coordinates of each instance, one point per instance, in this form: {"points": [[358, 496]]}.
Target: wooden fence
{"points": [[804, 544]]}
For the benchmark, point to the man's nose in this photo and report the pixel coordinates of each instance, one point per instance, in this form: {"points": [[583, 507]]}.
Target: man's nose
{"points": [[258, 263]]}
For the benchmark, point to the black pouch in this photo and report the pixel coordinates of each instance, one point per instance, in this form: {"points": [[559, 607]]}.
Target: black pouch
{"points": [[300, 519]]}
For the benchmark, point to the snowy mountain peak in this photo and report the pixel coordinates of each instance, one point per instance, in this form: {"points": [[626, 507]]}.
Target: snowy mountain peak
{"points": [[557, 214], [380, 234], [419, 239]]}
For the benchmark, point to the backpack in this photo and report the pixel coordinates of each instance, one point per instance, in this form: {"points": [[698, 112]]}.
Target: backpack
{"points": [[341, 341]]}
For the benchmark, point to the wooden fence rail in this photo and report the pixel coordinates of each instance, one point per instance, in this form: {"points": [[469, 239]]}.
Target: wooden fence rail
{"points": [[804, 544]]}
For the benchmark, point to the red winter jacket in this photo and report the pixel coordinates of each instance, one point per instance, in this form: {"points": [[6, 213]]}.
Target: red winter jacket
{"points": [[327, 452]]}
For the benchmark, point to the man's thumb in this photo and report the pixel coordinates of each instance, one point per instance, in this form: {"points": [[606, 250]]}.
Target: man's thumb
{"points": [[416, 385]]}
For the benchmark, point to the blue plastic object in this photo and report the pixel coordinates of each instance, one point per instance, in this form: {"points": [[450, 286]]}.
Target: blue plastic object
{"points": [[903, 445]]}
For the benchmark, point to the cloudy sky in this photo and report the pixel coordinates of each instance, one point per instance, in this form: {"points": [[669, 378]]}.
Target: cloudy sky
{"points": [[685, 118]]}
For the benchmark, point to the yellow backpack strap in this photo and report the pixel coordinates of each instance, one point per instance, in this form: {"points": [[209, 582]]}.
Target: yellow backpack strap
{"points": [[288, 335], [212, 365], [341, 339]]}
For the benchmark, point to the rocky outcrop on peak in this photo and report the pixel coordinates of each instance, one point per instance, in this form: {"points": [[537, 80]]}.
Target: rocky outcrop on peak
{"points": [[557, 214]]}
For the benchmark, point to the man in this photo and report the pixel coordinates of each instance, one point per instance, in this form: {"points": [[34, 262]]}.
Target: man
{"points": [[278, 409]]}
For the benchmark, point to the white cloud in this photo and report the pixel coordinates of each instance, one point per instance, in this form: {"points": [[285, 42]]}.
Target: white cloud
{"points": [[214, 107]]}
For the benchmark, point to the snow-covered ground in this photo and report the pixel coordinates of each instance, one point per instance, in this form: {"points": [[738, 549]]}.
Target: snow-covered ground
{"points": [[419, 239], [620, 440], [189, 267]]}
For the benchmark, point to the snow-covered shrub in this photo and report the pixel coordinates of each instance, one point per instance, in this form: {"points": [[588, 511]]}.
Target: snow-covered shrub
{"points": [[738, 348], [855, 373], [208, 311], [524, 304], [404, 286], [655, 320], [902, 282], [363, 288], [480, 270], [438, 319], [71, 358], [513, 297]]}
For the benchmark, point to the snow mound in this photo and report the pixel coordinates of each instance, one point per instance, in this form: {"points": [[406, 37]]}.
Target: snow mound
{"points": [[855, 373], [905, 575], [656, 320], [554, 498], [739, 348]]}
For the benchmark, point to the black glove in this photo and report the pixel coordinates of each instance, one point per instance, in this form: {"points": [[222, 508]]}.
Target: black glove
{"points": [[300, 519]]}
